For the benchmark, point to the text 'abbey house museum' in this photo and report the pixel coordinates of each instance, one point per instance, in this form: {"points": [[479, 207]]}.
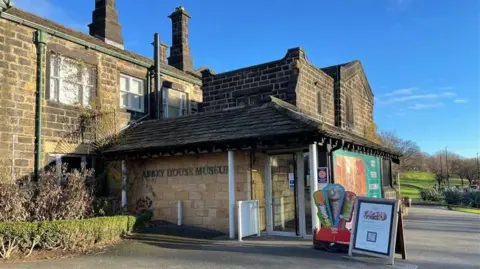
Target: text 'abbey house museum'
{"points": [[180, 133]]}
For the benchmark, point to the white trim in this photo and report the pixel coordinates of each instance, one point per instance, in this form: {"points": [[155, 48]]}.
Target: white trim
{"points": [[130, 94], [313, 158]]}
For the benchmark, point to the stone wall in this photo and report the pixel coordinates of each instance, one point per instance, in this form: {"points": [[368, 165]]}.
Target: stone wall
{"points": [[353, 84], [17, 99], [292, 79], [18, 60], [315, 93], [204, 196], [250, 85]]}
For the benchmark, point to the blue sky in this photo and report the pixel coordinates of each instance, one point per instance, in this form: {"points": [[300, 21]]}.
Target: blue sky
{"points": [[421, 56]]}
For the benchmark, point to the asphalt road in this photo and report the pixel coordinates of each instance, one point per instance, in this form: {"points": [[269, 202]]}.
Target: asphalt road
{"points": [[441, 239], [436, 239]]}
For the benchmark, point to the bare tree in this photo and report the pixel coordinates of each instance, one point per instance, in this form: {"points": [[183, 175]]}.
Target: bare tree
{"points": [[470, 170], [436, 165], [412, 157]]}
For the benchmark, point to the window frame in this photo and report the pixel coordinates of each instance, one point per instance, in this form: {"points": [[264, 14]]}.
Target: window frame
{"points": [[182, 110], [130, 94], [55, 79], [58, 161]]}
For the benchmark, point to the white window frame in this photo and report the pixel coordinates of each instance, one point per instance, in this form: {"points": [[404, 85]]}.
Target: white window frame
{"points": [[183, 109], [59, 162], [130, 94], [57, 79]]}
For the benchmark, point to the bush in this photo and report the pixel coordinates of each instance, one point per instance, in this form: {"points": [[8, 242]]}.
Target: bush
{"points": [[430, 194], [72, 235], [471, 198], [13, 203], [54, 197], [453, 196]]}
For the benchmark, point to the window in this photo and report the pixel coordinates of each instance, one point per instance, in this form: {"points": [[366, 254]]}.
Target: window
{"points": [[71, 82], [131, 93], [71, 162], [174, 103]]}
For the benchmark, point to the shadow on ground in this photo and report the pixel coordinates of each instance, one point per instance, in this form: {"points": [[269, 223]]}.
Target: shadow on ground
{"points": [[168, 228]]}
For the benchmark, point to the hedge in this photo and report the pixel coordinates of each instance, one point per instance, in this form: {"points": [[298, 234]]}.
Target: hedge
{"points": [[72, 235]]}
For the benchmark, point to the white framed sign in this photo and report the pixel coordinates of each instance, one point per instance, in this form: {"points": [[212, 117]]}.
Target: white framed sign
{"points": [[374, 229]]}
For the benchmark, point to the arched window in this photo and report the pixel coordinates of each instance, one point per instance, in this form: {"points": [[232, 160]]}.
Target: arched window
{"points": [[350, 122]]}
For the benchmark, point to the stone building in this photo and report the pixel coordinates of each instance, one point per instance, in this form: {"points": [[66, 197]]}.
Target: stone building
{"points": [[81, 76], [190, 137]]}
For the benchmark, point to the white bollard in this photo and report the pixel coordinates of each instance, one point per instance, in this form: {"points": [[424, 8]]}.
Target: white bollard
{"points": [[282, 213], [179, 213]]}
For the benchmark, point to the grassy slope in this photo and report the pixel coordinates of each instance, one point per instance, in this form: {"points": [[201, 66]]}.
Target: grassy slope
{"points": [[412, 182]]}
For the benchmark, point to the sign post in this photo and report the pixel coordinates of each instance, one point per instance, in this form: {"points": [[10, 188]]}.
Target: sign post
{"points": [[374, 231]]}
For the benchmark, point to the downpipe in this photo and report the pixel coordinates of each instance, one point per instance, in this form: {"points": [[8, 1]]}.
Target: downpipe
{"points": [[40, 42]]}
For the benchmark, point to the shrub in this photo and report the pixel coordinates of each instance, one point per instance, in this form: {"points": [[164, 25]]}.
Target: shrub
{"points": [[452, 196], [471, 198], [54, 197], [13, 201], [72, 235], [69, 197], [430, 194]]}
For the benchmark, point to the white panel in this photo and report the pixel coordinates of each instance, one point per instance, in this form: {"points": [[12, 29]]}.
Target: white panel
{"points": [[249, 223]]}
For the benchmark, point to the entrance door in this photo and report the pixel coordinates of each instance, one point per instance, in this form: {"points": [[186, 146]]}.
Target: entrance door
{"points": [[281, 193]]}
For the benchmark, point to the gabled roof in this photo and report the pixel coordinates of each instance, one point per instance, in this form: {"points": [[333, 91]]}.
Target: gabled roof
{"points": [[77, 34], [343, 72], [275, 119]]}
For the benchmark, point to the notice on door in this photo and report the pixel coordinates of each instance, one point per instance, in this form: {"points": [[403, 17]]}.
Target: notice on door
{"points": [[291, 180]]}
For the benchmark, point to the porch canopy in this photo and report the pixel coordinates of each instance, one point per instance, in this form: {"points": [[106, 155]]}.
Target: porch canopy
{"points": [[273, 125]]}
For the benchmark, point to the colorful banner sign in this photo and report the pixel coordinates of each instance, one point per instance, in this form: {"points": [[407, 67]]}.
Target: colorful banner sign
{"points": [[358, 173], [335, 209]]}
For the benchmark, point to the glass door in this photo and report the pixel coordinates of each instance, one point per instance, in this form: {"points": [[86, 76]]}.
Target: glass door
{"points": [[282, 198]]}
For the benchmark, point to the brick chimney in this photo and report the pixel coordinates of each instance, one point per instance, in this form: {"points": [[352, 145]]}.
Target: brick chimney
{"points": [[105, 24], [180, 51]]}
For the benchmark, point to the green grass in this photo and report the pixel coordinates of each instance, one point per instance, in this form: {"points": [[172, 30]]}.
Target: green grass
{"points": [[467, 210], [412, 182]]}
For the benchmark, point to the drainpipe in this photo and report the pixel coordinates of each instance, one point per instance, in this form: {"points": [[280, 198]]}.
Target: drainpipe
{"points": [[157, 79], [40, 42]]}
